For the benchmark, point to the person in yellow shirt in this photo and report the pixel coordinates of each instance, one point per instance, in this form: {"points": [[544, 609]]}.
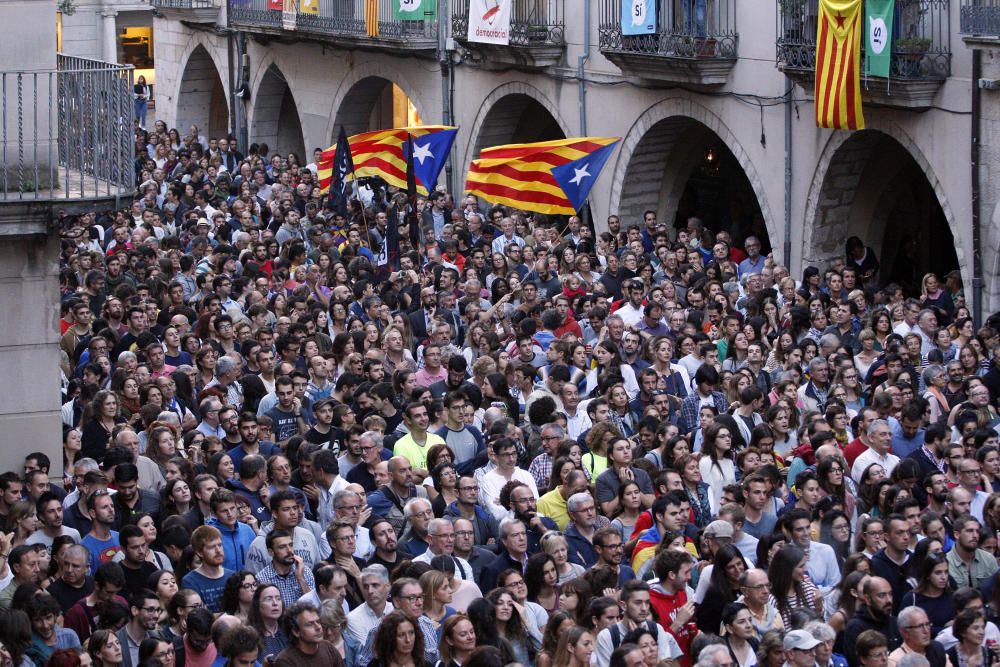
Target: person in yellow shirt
{"points": [[414, 445], [553, 503]]}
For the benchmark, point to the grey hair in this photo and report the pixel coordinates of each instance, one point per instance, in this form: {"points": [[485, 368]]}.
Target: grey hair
{"points": [[376, 570], [574, 501], [343, 495], [709, 655], [907, 614], [507, 521], [223, 366], [87, 464], [408, 507], [932, 373], [820, 631], [816, 362], [556, 429], [374, 436], [877, 424], [825, 340], [127, 355], [435, 524]]}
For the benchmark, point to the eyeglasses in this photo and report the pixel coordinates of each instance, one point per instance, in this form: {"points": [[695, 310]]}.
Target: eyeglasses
{"points": [[412, 599], [165, 653], [917, 626], [249, 586], [617, 546]]}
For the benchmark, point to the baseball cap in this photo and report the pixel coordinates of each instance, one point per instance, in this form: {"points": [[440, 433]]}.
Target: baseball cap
{"points": [[719, 528], [801, 640]]}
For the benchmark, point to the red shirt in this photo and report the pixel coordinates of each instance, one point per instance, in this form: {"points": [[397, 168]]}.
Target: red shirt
{"points": [[853, 450], [666, 606]]}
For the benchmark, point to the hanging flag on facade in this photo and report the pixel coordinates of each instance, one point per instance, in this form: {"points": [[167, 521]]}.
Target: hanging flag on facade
{"points": [[276, 5], [878, 50], [414, 10], [551, 177], [838, 65], [638, 17], [371, 18], [489, 21], [310, 7]]}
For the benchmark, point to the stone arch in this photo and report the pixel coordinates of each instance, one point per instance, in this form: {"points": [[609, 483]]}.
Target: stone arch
{"points": [[503, 122], [201, 96], [659, 154], [359, 93], [861, 179], [275, 118]]}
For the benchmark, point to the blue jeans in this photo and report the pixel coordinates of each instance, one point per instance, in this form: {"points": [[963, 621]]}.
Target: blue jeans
{"points": [[140, 111]]}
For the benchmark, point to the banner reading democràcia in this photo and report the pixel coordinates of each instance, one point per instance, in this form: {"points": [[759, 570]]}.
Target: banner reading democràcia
{"points": [[489, 21], [638, 17], [878, 23], [414, 10]]}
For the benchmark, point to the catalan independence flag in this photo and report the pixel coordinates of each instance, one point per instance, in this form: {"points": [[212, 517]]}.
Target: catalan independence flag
{"points": [[552, 177], [838, 65], [381, 153]]}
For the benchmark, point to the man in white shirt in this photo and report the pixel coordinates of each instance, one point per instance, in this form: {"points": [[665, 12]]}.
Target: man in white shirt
{"points": [[637, 610], [879, 446], [375, 588], [505, 455]]}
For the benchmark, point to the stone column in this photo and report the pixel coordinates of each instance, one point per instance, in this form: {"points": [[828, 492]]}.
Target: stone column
{"points": [[110, 40]]}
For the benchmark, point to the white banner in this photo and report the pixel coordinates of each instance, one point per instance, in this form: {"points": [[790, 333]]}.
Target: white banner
{"points": [[489, 21]]}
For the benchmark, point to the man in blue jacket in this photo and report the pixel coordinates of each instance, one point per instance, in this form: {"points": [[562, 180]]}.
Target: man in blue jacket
{"points": [[236, 536]]}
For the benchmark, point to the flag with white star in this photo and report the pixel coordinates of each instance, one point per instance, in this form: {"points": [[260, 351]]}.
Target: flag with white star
{"points": [[577, 177], [430, 152]]}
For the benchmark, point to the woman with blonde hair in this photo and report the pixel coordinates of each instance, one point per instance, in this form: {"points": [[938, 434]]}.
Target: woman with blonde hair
{"points": [[554, 544], [436, 586], [575, 648]]}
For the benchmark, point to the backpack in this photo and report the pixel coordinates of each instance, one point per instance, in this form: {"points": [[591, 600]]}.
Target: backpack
{"points": [[616, 632]]}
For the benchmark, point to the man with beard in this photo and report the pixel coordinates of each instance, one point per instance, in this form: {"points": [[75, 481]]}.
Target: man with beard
{"points": [[935, 490], [46, 636], [385, 542], [249, 438], [524, 508], [49, 511], [931, 456], [209, 578], [286, 515], [610, 549], [130, 499], [874, 613], [287, 571], [145, 609]]}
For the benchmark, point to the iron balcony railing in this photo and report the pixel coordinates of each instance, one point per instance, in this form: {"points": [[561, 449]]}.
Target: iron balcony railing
{"points": [[185, 4], [357, 20], [684, 29], [68, 133], [532, 22], [921, 39], [980, 17]]}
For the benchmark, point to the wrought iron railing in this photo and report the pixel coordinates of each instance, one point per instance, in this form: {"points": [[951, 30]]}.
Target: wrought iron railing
{"points": [[68, 133], [980, 17], [532, 22], [921, 39], [353, 19], [683, 29], [185, 4]]}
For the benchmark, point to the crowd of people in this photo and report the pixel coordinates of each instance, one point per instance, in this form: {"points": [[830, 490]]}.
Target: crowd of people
{"points": [[528, 443]]}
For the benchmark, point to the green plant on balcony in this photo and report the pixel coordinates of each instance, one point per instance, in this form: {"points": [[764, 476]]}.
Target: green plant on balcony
{"points": [[912, 45], [537, 34], [66, 7]]}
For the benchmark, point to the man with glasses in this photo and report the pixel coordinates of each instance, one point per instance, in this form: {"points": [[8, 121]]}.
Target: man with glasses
{"points": [[467, 507], [506, 470], [145, 610], [610, 550], [465, 441], [210, 424], [970, 475], [371, 453], [465, 547], [755, 594], [800, 649], [581, 532], [348, 505], [408, 597], [441, 542], [342, 539], [915, 627]]}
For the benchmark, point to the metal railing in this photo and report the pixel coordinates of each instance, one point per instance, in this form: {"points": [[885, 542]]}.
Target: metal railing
{"points": [[684, 29], [921, 39], [980, 17], [186, 4], [336, 19], [532, 22], [68, 133]]}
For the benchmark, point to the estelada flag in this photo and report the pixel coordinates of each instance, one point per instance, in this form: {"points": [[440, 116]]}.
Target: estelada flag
{"points": [[552, 177], [378, 153], [838, 65]]}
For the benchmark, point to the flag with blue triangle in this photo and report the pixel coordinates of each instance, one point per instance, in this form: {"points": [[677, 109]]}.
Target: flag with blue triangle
{"points": [[577, 177], [430, 152]]}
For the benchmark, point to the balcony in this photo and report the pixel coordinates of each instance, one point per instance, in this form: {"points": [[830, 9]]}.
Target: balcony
{"points": [[195, 11], [351, 24], [66, 142], [695, 42], [537, 33], [921, 51], [980, 20]]}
